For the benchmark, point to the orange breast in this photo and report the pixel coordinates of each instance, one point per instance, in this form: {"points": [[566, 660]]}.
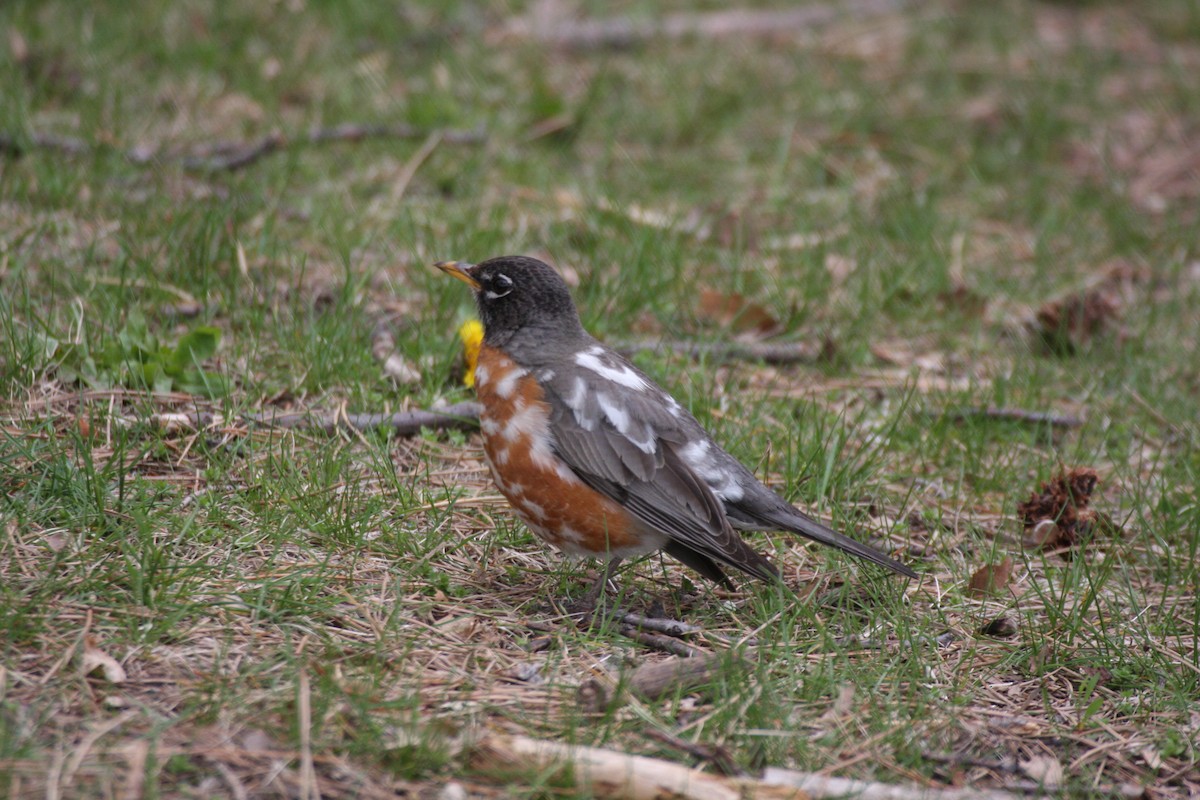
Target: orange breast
{"points": [[542, 489]]}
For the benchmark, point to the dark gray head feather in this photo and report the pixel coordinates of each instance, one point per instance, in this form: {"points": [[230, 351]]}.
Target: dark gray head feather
{"points": [[523, 303]]}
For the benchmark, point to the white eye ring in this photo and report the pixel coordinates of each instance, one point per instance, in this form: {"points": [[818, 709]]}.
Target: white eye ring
{"points": [[502, 283]]}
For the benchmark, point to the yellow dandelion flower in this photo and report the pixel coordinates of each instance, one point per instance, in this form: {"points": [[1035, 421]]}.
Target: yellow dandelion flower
{"points": [[471, 333]]}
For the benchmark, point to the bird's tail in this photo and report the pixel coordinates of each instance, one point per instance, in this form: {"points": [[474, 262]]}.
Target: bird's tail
{"points": [[810, 528]]}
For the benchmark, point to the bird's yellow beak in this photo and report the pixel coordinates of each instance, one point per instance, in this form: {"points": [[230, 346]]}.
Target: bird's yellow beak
{"points": [[458, 269]]}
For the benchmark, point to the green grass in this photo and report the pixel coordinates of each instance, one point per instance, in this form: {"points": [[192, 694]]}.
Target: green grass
{"points": [[953, 169]]}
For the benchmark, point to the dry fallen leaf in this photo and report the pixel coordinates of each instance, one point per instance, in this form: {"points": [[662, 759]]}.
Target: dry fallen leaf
{"points": [[839, 267], [592, 697], [991, 579], [256, 740], [1154, 156], [1103, 675], [395, 366], [1045, 535], [965, 300], [843, 704], [398, 369], [18, 47], [94, 660], [1065, 323], [1043, 768], [527, 672], [462, 628], [135, 753], [1000, 627], [734, 311], [234, 107]]}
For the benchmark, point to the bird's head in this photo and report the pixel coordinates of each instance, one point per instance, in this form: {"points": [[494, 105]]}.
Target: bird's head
{"points": [[517, 296]]}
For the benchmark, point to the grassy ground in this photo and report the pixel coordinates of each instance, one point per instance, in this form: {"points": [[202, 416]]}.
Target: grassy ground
{"points": [[242, 611]]}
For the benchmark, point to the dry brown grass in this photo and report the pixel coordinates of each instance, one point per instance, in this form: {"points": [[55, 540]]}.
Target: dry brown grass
{"points": [[237, 611]]}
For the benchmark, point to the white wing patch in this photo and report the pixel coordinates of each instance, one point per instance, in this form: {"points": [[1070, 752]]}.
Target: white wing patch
{"points": [[618, 416], [598, 360], [621, 420], [575, 401], [724, 485], [593, 359], [695, 454]]}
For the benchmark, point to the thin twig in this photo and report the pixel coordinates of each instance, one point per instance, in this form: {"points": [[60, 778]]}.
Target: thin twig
{"points": [[352, 132], [404, 423], [619, 32], [716, 755], [12, 146], [413, 164], [663, 644], [309, 788], [1011, 415], [225, 156], [670, 627], [237, 157], [610, 773], [1006, 766], [768, 352], [817, 785], [462, 416], [231, 780]]}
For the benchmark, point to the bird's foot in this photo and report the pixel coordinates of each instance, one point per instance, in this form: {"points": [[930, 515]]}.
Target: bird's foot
{"points": [[592, 608]]}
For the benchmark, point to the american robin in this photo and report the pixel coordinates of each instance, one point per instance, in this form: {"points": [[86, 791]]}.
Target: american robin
{"points": [[595, 457]]}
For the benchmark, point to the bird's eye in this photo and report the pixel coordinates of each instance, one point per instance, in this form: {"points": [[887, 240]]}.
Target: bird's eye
{"points": [[499, 286]]}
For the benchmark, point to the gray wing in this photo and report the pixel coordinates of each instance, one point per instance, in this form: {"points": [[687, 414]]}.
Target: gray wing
{"points": [[629, 451]]}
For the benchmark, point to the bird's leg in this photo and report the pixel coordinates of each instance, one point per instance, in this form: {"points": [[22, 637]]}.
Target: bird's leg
{"points": [[586, 605]]}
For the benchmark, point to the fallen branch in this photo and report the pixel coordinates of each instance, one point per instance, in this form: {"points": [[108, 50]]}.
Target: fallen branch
{"points": [[1011, 415], [621, 32], [671, 627], [413, 164], [770, 353], [817, 785], [664, 644], [682, 674], [659, 678], [232, 156], [404, 423], [462, 416], [236, 156], [721, 759], [12, 147], [351, 132], [609, 774], [691, 223]]}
